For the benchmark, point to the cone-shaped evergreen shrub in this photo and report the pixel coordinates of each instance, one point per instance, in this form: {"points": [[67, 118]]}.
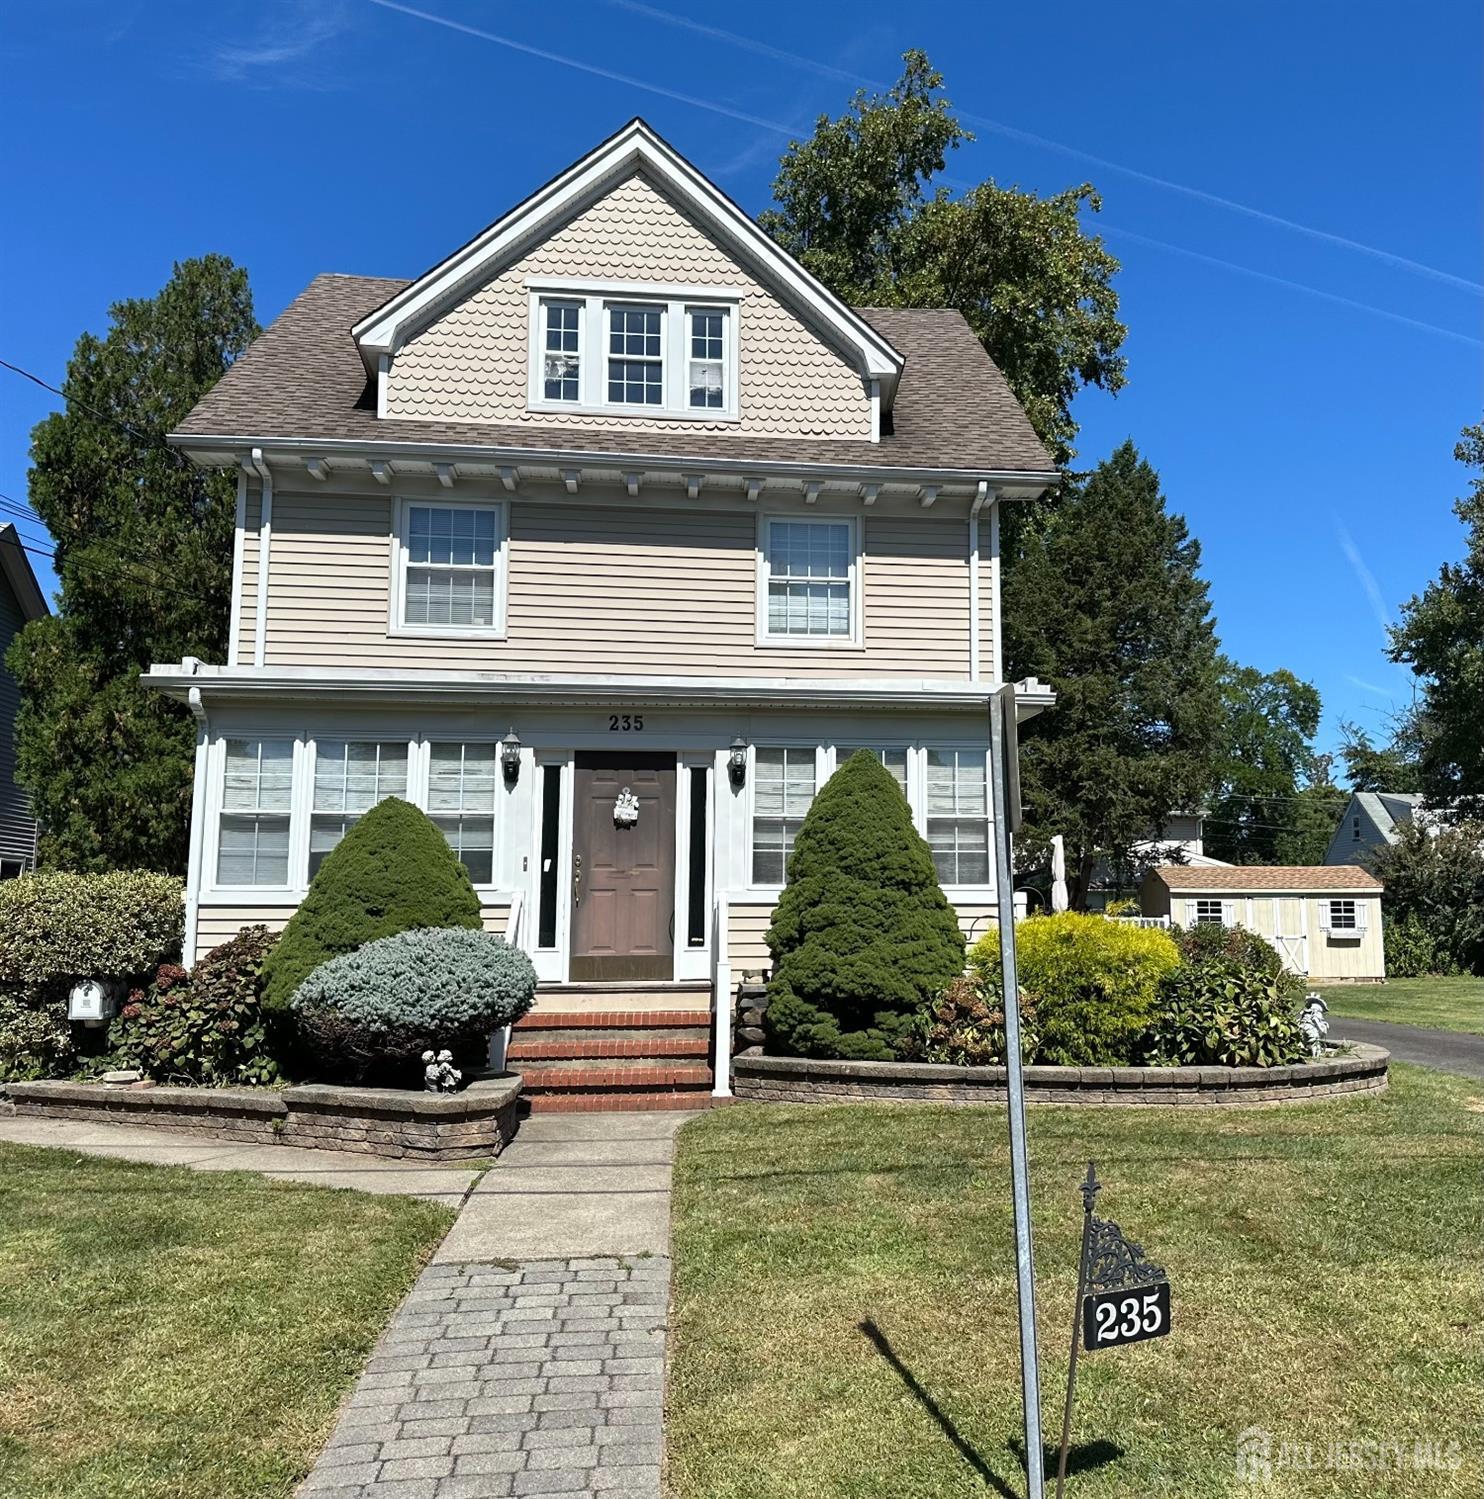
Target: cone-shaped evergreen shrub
{"points": [[391, 872], [862, 937]]}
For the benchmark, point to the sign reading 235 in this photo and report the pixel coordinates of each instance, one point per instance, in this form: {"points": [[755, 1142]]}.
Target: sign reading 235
{"points": [[1110, 1318]]}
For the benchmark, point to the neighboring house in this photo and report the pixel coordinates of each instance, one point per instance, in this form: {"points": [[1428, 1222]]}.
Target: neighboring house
{"points": [[613, 511], [21, 601], [1182, 840], [1324, 919], [1374, 819]]}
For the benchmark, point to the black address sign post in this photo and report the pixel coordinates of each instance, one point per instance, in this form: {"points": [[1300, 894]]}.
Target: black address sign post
{"points": [[1121, 1298]]}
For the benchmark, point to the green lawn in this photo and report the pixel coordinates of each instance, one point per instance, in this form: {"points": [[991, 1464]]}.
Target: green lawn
{"points": [[169, 1334], [845, 1326], [1453, 1004]]}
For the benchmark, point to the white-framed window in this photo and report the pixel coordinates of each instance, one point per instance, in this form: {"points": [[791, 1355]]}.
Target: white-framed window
{"points": [[636, 355], [633, 347], [256, 812], [449, 568], [1209, 912], [463, 786], [894, 760], [1343, 917], [350, 777], [809, 581], [784, 779], [706, 374], [958, 815], [561, 350]]}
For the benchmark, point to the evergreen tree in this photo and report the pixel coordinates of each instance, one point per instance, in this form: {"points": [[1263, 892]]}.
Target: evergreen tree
{"points": [[862, 937], [1107, 604], [1441, 637], [143, 545], [856, 207]]}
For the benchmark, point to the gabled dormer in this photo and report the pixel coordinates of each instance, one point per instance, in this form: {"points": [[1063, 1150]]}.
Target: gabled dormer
{"points": [[629, 292]]}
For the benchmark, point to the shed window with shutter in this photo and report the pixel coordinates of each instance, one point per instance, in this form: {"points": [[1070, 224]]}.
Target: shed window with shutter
{"points": [[1208, 913], [1343, 917]]}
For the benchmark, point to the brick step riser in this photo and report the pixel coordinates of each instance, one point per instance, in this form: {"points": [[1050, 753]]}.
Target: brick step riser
{"points": [[612, 1020], [578, 1048], [602, 1103], [607, 1072]]}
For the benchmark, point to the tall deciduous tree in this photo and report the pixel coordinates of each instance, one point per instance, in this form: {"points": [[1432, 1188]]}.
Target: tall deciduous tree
{"points": [[1107, 603], [856, 206], [1441, 637], [144, 555], [1395, 765], [1267, 759]]}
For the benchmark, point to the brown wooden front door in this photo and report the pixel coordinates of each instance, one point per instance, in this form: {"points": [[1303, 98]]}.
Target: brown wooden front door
{"points": [[623, 874]]}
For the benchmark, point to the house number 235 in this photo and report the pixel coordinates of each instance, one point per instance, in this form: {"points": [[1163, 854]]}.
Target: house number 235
{"points": [[625, 723]]}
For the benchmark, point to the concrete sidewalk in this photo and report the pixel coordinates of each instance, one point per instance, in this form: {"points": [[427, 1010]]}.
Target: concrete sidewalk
{"points": [[441, 1182]]}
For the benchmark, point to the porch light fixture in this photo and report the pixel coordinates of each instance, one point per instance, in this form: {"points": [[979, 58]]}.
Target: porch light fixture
{"points": [[737, 762], [510, 757]]}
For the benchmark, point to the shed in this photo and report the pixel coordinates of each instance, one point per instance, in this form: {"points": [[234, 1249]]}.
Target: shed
{"points": [[1324, 919]]}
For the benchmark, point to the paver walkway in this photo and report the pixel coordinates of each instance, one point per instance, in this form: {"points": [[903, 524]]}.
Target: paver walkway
{"points": [[1449, 1051], [530, 1356]]}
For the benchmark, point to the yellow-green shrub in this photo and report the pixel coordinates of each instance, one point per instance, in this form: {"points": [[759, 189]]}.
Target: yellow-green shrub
{"points": [[1093, 983]]}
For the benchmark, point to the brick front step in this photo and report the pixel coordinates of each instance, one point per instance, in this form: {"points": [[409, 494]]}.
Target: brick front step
{"points": [[626, 1044], [566, 1020], [587, 1076]]}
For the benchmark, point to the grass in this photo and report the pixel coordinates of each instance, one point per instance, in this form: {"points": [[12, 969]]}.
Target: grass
{"points": [[169, 1334], [844, 1324], [1451, 1004]]}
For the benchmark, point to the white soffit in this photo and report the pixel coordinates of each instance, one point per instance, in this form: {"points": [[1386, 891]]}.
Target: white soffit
{"points": [[635, 146]]}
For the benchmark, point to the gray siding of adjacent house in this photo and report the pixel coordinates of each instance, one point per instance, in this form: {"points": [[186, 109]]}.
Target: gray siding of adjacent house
{"points": [[17, 830], [1360, 833]]}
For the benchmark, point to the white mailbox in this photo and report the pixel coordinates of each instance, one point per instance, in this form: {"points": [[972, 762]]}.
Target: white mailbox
{"points": [[93, 1000]]}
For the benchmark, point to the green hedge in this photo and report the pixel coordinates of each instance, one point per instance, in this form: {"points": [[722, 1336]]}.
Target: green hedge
{"points": [[60, 927], [1093, 983], [392, 871], [862, 937]]}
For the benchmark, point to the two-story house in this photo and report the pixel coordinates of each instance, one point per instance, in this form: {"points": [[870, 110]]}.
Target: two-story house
{"points": [[21, 601], [604, 540]]}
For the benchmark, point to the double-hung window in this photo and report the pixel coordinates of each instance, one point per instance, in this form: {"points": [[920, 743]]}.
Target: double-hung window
{"points": [[958, 815], [810, 582], [257, 800], [783, 781], [450, 568], [894, 760], [350, 777], [561, 358], [636, 355], [463, 781], [706, 378]]}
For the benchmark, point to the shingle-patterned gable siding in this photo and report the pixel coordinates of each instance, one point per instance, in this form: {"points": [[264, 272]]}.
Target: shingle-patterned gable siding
{"points": [[17, 830], [470, 364]]}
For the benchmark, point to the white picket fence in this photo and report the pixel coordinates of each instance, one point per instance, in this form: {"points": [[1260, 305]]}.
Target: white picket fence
{"points": [[1162, 923]]}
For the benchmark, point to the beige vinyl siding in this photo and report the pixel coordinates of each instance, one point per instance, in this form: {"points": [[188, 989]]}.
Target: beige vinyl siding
{"points": [[1332, 957], [470, 365], [747, 925], [218, 924], [988, 603], [610, 589], [248, 605]]}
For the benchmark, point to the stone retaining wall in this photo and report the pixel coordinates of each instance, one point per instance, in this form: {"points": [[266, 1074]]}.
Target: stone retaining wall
{"points": [[480, 1121], [800, 1080]]}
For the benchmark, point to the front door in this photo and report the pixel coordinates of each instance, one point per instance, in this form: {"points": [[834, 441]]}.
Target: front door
{"points": [[623, 867]]}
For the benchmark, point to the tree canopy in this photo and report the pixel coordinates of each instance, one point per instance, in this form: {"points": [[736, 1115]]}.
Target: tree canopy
{"points": [[1108, 605], [144, 556], [856, 205], [1441, 637]]}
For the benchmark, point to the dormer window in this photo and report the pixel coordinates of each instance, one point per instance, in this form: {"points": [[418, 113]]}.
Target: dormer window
{"points": [[634, 348]]}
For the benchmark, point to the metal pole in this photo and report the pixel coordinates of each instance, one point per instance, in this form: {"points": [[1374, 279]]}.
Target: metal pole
{"points": [[1025, 1274], [1089, 1192]]}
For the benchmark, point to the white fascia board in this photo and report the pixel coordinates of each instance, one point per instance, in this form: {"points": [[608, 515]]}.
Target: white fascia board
{"points": [[385, 683], [295, 450], [636, 145]]}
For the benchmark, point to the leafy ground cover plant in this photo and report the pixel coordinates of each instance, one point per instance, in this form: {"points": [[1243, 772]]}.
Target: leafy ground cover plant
{"points": [[370, 1014], [1093, 983], [862, 938], [1222, 1014], [206, 1026], [392, 872], [965, 1027]]}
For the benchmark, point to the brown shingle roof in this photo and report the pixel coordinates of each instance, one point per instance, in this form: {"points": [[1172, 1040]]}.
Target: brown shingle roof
{"points": [[303, 379], [1184, 878]]}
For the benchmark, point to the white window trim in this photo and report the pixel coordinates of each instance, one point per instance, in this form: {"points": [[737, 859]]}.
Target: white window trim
{"points": [[1343, 933], [826, 762], [855, 640], [402, 507], [301, 808], [675, 302]]}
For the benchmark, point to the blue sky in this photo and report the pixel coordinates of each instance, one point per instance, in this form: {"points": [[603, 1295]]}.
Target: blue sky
{"points": [[1294, 192]]}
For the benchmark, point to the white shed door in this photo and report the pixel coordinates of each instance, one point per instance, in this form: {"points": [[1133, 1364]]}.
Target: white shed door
{"points": [[1291, 933]]}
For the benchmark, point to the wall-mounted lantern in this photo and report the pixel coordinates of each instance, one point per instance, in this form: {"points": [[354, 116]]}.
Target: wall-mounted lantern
{"points": [[737, 762], [510, 757]]}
